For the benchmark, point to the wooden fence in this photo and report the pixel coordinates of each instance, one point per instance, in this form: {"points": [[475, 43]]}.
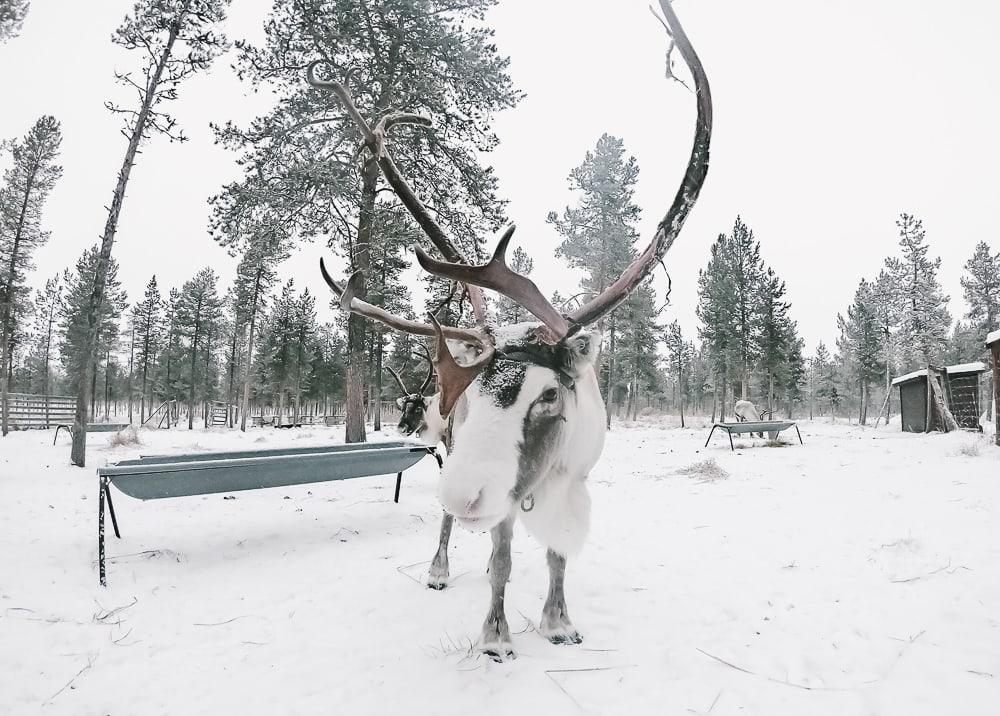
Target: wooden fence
{"points": [[39, 411]]}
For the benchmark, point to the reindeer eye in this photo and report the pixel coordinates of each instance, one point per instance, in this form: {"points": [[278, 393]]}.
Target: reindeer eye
{"points": [[550, 395]]}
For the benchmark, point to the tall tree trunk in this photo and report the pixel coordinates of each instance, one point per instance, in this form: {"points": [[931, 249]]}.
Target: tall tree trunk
{"points": [[7, 308], [131, 369], [378, 381], [78, 453], [232, 377], [354, 421], [194, 357], [168, 388], [245, 403], [208, 378], [48, 358], [145, 366], [610, 381]]}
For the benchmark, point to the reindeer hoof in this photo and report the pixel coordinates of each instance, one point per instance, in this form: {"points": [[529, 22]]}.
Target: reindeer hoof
{"points": [[437, 583], [573, 638], [437, 575], [499, 652], [560, 632]]}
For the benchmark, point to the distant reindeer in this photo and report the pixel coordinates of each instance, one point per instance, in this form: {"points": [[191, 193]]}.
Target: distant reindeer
{"points": [[420, 416], [529, 419], [746, 411]]}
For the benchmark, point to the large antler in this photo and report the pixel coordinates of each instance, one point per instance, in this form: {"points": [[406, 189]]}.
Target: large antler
{"points": [[375, 141], [498, 276], [349, 302], [453, 378], [694, 176]]}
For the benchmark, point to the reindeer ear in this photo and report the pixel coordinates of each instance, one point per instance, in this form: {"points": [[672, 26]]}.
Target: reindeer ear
{"points": [[584, 347], [400, 402]]}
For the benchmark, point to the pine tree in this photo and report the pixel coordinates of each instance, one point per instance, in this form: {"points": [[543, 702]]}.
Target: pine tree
{"points": [[599, 234], [925, 319], [981, 285], [171, 356], [716, 313], [197, 312], [12, 14], [797, 377], [48, 305], [262, 242], [746, 271], [177, 39], [886, 303], [148, 319], [32, 175], [79, 363], [774, 333], [444, 65], [824, 378], [860, 343], [678, 352]]}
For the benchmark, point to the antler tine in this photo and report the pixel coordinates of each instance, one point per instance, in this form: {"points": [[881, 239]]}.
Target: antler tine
{"points": [[350, 302], [453, 378], [428, 378], [399, 381], [694, 176], [423, 354], [375, 141], [496, 275]]}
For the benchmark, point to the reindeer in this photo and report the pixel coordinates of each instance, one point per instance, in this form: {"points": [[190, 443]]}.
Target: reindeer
{"points": [[529, 420], [418, 413], [746, 411], [421, 416]]}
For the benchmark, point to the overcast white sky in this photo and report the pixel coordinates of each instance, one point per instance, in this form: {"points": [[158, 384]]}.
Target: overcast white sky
{"points": [[832, 116]]}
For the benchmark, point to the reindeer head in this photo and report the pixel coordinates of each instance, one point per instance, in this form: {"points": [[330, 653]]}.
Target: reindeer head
{"points": [[530, 408], [413, 405]]}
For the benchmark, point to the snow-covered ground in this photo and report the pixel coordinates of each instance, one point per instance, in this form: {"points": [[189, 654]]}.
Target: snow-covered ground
{"points": [[856, 574]]}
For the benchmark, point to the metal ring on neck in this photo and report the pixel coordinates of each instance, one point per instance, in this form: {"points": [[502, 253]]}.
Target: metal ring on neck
{"points": [[528, 503]]}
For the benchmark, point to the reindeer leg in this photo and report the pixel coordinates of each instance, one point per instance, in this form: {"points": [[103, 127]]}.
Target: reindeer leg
{"points": [[555, 625], [495, 639], [438, 576]]}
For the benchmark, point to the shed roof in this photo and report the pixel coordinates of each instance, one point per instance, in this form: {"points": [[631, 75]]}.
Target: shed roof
{"points": [[976, 367], [992, 338]]}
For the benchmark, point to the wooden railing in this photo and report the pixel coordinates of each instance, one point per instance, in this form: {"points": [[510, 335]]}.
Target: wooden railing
{"points": [[26, 411]]}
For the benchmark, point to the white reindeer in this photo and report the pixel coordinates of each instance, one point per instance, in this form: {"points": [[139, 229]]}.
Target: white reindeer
{"points": [[528, 415]]}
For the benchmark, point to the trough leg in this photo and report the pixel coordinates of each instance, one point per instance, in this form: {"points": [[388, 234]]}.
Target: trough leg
{"points": [[399, 481], [555, 624], [710, 434], [799, 434], [111, 507], [100, 531], [437, 577], [495, 639], [730, 433]]}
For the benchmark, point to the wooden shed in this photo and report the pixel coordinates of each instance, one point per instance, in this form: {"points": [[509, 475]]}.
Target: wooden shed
{"points": [[958, 389], [993, 343]]}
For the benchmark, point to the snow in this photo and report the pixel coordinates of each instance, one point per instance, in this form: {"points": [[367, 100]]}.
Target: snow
{"points": [[976, 367], [856, 574], [993, 337]]}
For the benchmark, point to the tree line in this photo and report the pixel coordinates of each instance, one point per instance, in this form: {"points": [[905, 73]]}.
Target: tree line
{"points": [[304, 178]]}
